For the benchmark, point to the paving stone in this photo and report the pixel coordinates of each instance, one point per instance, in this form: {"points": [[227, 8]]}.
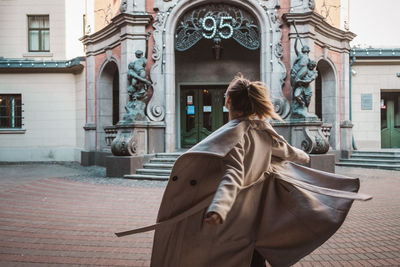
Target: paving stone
{"points": [[63, 215]]}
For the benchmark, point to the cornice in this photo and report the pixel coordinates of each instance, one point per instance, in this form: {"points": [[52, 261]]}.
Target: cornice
{"points": [[12, 65], [376, 53], [320, 26], [114, 27]]}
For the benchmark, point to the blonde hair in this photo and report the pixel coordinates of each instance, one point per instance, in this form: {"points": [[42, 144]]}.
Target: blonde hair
{"points": [[251, 98]]}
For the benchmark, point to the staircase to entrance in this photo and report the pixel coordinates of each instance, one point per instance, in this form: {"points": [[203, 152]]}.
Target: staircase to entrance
{"points": [[158, 168], [379, 159]]}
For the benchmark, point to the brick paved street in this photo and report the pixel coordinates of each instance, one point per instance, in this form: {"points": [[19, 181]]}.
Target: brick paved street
{"points": [[48, 217]]}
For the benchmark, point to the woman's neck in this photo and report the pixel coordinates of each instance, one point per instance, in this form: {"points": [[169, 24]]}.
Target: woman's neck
{"points": [[235, 115]]}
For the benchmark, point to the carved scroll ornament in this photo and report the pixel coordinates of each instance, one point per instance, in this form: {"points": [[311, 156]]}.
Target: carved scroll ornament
{"points": [[217, 22]]}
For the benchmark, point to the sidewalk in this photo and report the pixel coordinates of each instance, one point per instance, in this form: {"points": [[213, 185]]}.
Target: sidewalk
{"points": [[56, 215]]}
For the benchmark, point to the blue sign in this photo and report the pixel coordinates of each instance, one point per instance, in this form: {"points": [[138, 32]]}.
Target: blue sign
{"points": [[190, 110]]}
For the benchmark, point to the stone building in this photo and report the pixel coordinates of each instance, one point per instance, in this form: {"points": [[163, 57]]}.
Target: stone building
{"points": [[194, 50], [375, 101], [42, 82], [60, 106]]}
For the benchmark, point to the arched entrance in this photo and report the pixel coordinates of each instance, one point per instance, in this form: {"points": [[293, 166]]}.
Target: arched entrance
{"points": [[326, 99], [107, 99], [213, 43], [163, 104]]}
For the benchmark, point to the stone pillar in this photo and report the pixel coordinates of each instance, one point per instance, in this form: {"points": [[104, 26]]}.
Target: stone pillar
{"points": [[88, 154], [346, 136]]}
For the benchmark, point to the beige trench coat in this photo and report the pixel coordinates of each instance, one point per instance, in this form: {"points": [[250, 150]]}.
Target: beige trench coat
{"points": [[230, 172]]}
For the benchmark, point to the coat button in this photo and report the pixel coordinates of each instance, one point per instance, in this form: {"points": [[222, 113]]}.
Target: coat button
{"points": [[174, 178], [193, 182]]}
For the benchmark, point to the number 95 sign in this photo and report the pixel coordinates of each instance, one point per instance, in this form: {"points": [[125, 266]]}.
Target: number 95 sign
{"points": [[211, 27]]}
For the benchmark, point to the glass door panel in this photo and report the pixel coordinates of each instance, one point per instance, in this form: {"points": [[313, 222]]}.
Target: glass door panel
{"points": [[206, 106], [189, 117], [390, 120], [202, 112]]}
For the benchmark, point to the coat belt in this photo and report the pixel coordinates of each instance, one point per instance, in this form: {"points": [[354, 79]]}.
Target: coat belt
{"points": [[206, 201]]}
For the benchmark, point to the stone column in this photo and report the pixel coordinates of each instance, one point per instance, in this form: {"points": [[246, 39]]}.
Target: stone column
{"points": [[87, 156], [346, 134]]}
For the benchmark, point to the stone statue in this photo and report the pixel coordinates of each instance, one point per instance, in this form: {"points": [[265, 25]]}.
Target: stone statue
{"points": [[301, 75], [303, 92], [137, 90], [137, 76], [299, 68]]}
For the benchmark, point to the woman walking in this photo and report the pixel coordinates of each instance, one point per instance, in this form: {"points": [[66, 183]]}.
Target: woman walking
{"points": [[233, 201]]}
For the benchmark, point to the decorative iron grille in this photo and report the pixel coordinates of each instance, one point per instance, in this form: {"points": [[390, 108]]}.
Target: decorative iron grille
{"points": [[217, 22]]}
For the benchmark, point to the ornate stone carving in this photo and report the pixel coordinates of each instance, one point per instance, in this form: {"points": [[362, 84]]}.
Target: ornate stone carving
{"points": [[123, 144], [273, 71], [314, 141], [311, 4], [155, 110], [217, 22], [302, 6], [279, 50], [124, 6], [280, 102], [306, 135]]}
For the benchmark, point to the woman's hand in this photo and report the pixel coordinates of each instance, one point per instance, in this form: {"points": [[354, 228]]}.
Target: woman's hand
{"points": [[213, 218]]}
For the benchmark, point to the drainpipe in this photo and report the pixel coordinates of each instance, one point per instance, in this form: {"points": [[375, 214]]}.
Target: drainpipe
{"points": [[353, 61]]}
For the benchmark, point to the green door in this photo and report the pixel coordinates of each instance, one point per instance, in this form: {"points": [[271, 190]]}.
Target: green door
{"points": [[202, 112], [390, 120]]}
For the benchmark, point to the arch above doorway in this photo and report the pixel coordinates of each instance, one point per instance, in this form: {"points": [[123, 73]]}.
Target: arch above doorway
{"points": [[162, 106], [107, 100], [326, 98]]}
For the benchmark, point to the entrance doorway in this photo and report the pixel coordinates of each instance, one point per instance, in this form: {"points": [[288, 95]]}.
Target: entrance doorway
{"points": [[390, 120], [202, 112]]}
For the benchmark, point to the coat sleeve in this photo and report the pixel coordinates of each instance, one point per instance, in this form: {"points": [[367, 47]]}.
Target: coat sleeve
{"points": [[284, 151], [231, 182]]}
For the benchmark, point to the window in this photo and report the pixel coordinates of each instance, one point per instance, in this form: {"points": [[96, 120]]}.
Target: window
{"points": [[10, 111], [39, 33]]}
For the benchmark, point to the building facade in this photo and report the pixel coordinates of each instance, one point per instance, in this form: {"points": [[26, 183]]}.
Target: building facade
{"points": [[194, 50], [375, 102], [42, 82]]}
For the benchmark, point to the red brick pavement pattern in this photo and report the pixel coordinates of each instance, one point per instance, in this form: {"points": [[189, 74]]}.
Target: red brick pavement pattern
{"points": [[60, 222]]}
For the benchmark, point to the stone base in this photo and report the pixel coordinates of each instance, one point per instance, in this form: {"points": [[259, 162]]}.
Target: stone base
{"points": [[139, 138], [90, 158], [322, 162], [118, 166], [306, 135]]}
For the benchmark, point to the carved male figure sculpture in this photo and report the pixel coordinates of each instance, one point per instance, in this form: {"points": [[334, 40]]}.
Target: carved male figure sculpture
{"points": [[137, 90], [301, 75], [137, 76], [302, 93], [299, 68]]}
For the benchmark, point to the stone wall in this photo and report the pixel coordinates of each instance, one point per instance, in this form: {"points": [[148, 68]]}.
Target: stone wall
{"points": [[53, 117], [65, 28], [371, 77]]}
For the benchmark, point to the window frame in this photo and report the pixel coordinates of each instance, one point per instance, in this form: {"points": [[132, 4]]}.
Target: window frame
{"points": [[40, 48], [12, 117]]}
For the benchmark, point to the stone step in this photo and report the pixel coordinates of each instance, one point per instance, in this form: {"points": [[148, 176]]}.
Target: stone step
{"points": [[163, 160], [369, 165], [371, 161], [146, 177], [393, 153], [374, 156], [157, 166], [168, 155], [165, 172]]}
